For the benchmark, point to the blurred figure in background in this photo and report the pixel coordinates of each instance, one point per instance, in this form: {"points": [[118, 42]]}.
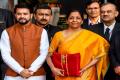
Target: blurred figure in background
{"points": [[93, 14], [55, 13], [6, 20]]}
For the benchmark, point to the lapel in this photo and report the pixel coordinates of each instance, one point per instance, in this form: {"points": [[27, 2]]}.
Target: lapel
{"points": [[85, 24], [101, 29], [98, 28], [115, 29]]}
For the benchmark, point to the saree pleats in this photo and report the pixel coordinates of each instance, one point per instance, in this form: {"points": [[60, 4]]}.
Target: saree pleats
{"points": [[90, 46]]}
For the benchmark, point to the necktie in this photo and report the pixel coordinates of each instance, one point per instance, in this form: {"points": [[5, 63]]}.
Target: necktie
{"points": [[107, 35]]}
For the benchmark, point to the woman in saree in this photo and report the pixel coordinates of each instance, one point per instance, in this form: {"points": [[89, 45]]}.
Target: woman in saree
{"points": [[91, 47]]}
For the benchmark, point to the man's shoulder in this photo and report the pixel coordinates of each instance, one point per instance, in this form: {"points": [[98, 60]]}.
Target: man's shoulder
{"points": [[117, 24], [54, 27], [11, 27], [98, 25], [116, 27], [85, 20], [36, 26]]}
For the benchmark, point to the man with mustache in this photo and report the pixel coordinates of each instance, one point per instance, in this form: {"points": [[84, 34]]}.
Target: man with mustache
{"points": [[24, 47], [107, 29], [42, 16]]}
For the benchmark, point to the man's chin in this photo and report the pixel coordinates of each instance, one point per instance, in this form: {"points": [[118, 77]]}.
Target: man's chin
{"points": [[23, 23], [43, 24]]}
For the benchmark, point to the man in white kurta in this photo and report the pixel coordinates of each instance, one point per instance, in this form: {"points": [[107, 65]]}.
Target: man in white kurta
{"points": [[23, 17]]}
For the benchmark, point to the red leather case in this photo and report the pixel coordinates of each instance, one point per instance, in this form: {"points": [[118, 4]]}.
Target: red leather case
{"points": [[70, 63]]}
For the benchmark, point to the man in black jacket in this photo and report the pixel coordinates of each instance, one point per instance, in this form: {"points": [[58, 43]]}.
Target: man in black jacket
{"points": [[114, 54], [42, 16], [108, 14]]}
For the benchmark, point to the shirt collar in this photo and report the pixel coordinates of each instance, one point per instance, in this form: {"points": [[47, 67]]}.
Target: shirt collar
{"points": [[98, 21], [110, 27]]}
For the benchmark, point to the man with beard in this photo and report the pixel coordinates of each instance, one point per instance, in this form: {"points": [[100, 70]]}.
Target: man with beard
{"points": [[24, 47], [42, 16]]}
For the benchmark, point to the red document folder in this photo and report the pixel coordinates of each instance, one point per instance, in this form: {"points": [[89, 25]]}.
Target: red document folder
{"points": [[70, 63]]}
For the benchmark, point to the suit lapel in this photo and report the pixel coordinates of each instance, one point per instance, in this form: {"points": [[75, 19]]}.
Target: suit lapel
{"points": [[115, 29]]}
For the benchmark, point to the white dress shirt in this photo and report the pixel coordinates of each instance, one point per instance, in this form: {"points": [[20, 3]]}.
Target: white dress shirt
{"points": [[14, 65], [91, 23], [110, 27]]}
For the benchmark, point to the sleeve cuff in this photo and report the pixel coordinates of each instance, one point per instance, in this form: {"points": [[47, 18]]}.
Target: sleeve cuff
{"points": [[20, 69], [33, 69]]}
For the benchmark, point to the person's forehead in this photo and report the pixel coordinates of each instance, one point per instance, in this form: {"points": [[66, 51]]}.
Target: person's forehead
{"points": [[108, 7], [94, 4], [43, 10], [22, 10]]}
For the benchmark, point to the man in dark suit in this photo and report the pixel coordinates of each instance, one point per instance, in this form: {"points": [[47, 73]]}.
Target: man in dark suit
{"points": [[93, 13], [6, 20], [108, 14], [42, 16], [114, 54]]}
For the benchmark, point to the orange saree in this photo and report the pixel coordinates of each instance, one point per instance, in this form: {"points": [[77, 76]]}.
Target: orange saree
{"points": [[90, 46]]}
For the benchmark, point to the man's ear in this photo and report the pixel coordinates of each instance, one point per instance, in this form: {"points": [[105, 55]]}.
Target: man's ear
{"points": [[34, 16], [86, 10], [116, 13], [31, 15]]}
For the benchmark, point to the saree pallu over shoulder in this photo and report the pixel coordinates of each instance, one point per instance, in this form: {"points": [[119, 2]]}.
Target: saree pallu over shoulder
{"points": [[90, 46]]}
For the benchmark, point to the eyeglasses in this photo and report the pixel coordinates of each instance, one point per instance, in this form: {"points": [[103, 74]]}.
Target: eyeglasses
{"points": [[93, 8], [108, 11]]}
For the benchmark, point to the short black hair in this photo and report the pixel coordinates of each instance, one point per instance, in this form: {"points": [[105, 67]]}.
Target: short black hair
{"points": [[41, 6], [23, 5], [90, 2]]}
